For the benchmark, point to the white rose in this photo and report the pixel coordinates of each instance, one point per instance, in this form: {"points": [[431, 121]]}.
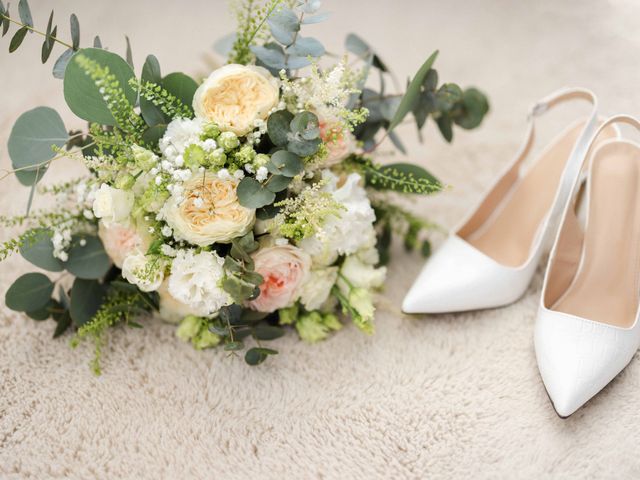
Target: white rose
{"points": [[208, 211], [361, 274], [112, 205], [195, 281], [317, 288], [142, 271], [120, 241], [172, 310], [235, 96]]}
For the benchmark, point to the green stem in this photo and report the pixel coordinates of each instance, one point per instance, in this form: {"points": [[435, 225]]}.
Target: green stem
{"points": [[55, 39]]}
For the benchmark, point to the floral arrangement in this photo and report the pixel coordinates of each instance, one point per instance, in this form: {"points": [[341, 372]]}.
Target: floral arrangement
{"points": [[235, 206]]}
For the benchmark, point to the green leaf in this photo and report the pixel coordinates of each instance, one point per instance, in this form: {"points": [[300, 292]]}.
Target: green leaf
{"points": [[44, 312], [88, 261], [17, 39], [152, 135], [5, 24], [412, 94], [47, 45], [75, 31], [476, 107], [269, 55], [233, 346], [151, 73], [284, 25], [60, 67], [2, 9], [30, 142], [278, 127], [268, 332], [97, 43], [86, 298], [25, 13], [278, 183], [30, 292], [256, 355], [306, 46], [82, 94], [64, 322], [302, 147], [129, 53], [306, 124], [445, 126], [40, 252], [402, 177], [285, 163], [181, 86], [252, 194]]}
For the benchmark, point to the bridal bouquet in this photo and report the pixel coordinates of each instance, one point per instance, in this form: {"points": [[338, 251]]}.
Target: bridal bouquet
{"points": [[236, 205]]}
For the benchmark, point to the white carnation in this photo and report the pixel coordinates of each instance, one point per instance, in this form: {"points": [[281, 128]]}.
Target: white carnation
{"points": [[316, 289], [348, 232], [180, 133], [196, 279], [112, 205]]}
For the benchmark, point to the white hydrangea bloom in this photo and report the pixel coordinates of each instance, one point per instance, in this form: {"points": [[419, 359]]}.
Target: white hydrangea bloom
{"points": [[180, 133], [351, 230], [195, 281]]}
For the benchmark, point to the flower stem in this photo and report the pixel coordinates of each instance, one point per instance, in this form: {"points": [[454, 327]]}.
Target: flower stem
{"points": [[55, 39]]}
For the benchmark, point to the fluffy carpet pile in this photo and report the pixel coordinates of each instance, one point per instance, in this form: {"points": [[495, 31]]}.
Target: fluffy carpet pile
{"points": [[451, 396]]}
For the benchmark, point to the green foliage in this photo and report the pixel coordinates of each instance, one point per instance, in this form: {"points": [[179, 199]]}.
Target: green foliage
{"points": [[251, 18], [29, 292], [157, 98], [398, 177], [86, 298], [40, 252], [241, 281], [97, 89], [253, 194], [87, 258], [257, 355], [31, 140]]}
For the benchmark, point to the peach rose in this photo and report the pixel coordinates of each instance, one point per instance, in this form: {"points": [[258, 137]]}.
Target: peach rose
{"points": [[235, 96], [209, 211], [284, 268], [339, 142], [120, 241]]}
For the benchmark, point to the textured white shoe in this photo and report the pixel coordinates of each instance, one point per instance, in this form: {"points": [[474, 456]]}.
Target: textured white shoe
{"points": [[587, 329], [490, 260]]}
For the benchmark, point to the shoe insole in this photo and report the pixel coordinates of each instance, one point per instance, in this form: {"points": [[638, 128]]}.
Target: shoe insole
{"points": [[507, 236], [605, 288]]}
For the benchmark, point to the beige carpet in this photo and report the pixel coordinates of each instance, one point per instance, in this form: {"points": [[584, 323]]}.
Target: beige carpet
{"points": [[452, 396]]}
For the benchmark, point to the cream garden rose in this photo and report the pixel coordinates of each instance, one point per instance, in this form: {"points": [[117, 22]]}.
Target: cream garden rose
{"points": [[285, 269], [208, 211], [112, 205], [235, 96]]}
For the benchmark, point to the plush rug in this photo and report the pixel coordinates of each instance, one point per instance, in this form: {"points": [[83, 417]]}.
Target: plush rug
{"points": [[450, 396]]}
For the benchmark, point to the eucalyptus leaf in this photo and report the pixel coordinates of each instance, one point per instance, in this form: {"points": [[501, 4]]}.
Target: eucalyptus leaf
{"points": [[320, 17], [75, 31], [306, 46], [357, 45], [129, 53], [412, 94], [86, 298], [303, 148], [31, 140], [3, 10], [47, 46], [29, 292], [81, 92], [294, 62], [285, 37], [278, 127], [87, 258], [285, 163], [17, 39], [224, 45], [306, 124], [5, 24], [60, 66], [310, 6], [445, 126], [63, 323], [233, 346], [40, 252], [268, 332], [269, 56], [182, 86], [97, 43], [43, 313], [256, 355], [284, 24], [151, 73], [278, 183], [152, 135], [25, 13], [252, 194]]}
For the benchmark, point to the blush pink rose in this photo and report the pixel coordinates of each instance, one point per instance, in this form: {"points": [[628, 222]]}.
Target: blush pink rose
{"points": [[340, 143], [284, 268], [119, 241]]}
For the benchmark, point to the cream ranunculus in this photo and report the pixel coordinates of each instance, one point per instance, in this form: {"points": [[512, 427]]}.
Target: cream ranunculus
{"points": [[112, 205], [235, 96], [208, 211]]}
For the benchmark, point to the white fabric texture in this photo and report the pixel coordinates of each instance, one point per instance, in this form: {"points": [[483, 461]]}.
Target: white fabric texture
{"points": [[446, 396]]}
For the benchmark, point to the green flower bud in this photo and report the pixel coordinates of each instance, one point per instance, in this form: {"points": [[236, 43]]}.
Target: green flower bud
{"points": [[125, 181], [194, 157], [260, 160], [360, 299], [218, 157], [288, 316], [189, 328], [210, 130], [331, 321], [246, 154], [228, 141], [311, 328], [205, 339], [143, 158]]}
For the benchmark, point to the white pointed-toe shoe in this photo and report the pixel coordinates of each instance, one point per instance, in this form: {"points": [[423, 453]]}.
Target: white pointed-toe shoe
{"points": [[587, 329], [490, 259]]}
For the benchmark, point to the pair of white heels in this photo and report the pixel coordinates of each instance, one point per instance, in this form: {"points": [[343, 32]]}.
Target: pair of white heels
{"points": [[584, 189]]}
